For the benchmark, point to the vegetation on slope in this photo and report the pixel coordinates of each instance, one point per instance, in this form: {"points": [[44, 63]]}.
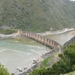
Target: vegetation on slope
{"points": [[65, 65], [3, 70], [45, 62], [37, 15], [7, 31]]}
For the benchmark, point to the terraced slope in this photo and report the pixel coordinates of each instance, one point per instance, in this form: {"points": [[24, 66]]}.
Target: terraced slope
{"points": [[37, 15]]}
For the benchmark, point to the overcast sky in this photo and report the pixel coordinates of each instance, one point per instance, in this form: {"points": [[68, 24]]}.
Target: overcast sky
{"points": [[72, 0]]}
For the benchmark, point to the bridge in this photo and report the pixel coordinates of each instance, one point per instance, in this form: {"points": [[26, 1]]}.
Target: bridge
{"points": [[46, 41]]}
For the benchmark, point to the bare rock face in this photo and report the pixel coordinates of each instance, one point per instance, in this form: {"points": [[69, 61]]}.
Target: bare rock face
{"points": [[72, 40], [5, 27], [29, 70], [12, 74], [24, 73]]}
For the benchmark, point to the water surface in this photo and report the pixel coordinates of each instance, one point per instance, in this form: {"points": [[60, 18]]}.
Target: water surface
{"points": [[15, 54]]}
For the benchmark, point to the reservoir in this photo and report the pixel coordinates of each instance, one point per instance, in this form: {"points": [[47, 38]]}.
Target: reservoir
{"points": [[20, 52]]}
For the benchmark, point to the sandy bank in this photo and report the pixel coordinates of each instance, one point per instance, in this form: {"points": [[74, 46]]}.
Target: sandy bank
{"points": [[55, 32], [3, 36], [73, 33]]}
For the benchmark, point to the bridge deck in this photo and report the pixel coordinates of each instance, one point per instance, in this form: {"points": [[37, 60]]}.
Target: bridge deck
{"points": [[46, 41]]}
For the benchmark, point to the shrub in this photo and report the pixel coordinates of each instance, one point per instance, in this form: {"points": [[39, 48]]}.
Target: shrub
{"points": [[3, 70]]}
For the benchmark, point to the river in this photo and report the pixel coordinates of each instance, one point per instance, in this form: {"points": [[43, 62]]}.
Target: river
{"points": [[20, 52]]}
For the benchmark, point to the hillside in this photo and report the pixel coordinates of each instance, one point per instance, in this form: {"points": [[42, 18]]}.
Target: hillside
{"points": [[72, 40], [37, 15]]}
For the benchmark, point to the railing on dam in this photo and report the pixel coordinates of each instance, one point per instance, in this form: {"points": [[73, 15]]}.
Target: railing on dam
{"points": [[46, 41]]}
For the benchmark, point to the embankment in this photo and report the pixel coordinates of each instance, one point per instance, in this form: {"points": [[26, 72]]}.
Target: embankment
{"points": [[3, 36], [55, 32], [72, 40]]}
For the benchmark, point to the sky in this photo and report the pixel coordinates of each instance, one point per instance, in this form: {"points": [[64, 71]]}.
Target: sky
{"points": [[72, 0]]}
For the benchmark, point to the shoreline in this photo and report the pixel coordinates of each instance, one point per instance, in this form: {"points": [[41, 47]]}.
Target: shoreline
{"points": [[13, 35], [55, 32], [4, 36], [35, 64]]}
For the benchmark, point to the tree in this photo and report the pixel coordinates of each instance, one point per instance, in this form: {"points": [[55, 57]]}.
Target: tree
{"points": [[39, 71], [73, 67], [3, 70], [64, 65], [69, 53]]}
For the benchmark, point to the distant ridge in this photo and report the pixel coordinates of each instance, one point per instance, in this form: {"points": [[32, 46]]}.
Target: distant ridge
{"points": [[37, 15]]}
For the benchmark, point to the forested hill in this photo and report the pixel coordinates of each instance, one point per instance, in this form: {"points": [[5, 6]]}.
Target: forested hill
{"points": [[37, 15]]}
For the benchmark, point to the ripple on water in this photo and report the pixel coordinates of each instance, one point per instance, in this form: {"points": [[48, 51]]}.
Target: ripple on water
{"points": [[13, 55]]}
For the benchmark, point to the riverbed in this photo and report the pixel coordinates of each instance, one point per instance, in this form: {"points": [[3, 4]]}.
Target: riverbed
{"points": [[63, 37], [20, 52]]}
